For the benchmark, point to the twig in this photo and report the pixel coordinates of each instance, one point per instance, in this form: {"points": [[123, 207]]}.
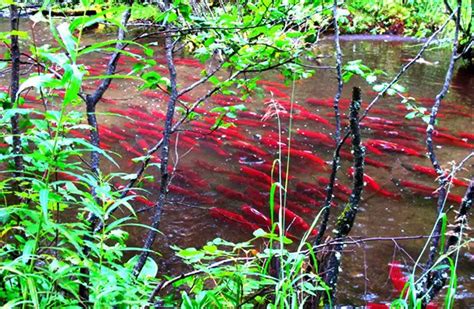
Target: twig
{"points": [[405, 68], [340, 85], [165, 284], [336, 156], [91, 101]]}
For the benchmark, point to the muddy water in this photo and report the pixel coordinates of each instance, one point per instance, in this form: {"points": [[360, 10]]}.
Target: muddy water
{"points": [[215, 160]]}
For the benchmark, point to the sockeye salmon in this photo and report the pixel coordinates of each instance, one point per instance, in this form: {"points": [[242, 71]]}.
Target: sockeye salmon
{"points": [[119, 112], [244, 181], [215, 148], [316, 136], [190, 194], [104, 130], [148, 125], [389, 146], [143, 144], [257, 174], [232, 217], [373, 185], [231, 194], [310, 189], [270, 83], [276, 92], [295, 220], [306, 155], [430, 171], [448, 138], [467, 135], [342, 188], [430, 191], [151, 133], [319, 119], [158, 115], [189, 62], [130, 149], [256, 216], [248, 147], [136, 197], [140, 115], [155, 95], [396, 276]]}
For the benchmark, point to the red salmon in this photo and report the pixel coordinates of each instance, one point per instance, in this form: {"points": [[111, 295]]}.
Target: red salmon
{"points": [[232, 217], [430, 171], [306, 155], [396, 276], [389, 146], [373, 185]]}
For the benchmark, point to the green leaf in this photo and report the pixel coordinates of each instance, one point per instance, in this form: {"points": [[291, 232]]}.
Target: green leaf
{"points": [[379, 87], [37, 81], [426, 119], [149, 270], [73, 76], [38, 17], [67, 40], [410, 115], [371, 79], [27, 250], [214, 80], [44, 200]]}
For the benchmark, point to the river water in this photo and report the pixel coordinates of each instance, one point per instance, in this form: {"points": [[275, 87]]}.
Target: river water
{"points": [[209, 166]]}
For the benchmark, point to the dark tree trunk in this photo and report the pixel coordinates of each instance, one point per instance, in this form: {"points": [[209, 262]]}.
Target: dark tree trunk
{"points": [[14, 86], [331, 263], [155, 221]]}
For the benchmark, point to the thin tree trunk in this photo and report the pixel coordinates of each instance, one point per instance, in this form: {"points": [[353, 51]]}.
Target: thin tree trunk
{"points": [[336, 157], [91, 101], [346, 219], [443, 180], [155, 222], [14, 86]]}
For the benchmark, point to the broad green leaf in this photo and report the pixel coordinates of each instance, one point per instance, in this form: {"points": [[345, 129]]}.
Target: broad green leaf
{"points": [[149, 270], [27, 250], [68, 40], [37, 81]]}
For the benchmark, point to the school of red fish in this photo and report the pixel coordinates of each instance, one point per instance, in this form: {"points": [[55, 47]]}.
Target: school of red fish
{"points": [[252, 144]]}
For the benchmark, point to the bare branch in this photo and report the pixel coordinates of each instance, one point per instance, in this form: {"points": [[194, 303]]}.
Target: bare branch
{"points": [[340, 85], [429, 139]]}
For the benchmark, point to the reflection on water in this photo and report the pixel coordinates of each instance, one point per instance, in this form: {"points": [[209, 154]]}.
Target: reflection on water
{"points": [[229, 168]]}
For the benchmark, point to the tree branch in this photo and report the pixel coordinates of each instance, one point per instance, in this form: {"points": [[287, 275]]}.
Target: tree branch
{"points": [[433, 280], [336, 156], [340, 85], [443, 180]]}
